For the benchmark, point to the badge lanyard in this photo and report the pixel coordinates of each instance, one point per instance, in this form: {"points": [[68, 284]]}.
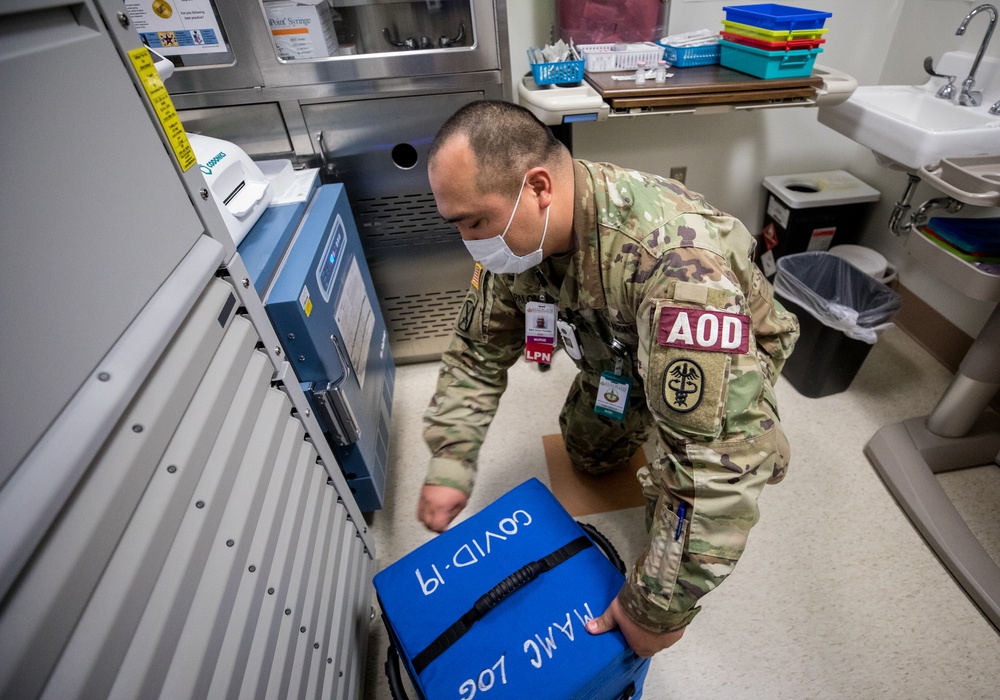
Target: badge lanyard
{"points": [[539, 329], [614, 387]]}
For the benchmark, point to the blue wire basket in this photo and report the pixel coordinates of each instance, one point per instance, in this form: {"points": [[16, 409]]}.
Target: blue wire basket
{"points": [[557, 72], [686, 56]]}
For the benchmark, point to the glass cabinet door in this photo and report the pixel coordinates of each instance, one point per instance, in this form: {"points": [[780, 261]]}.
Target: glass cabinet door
{"points": [[301, 42], [229, 44], [316, 29]]}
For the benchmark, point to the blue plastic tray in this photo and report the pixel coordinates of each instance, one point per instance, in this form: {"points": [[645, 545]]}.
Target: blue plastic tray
{"points": [[767, 64], [780, 17]]}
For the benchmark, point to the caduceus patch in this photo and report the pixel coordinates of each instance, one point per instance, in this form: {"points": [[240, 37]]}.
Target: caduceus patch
{"points": [[683, 385]]}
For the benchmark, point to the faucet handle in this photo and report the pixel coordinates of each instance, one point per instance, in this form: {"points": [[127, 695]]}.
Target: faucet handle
{"points": [[929, 69], [947, 91]]}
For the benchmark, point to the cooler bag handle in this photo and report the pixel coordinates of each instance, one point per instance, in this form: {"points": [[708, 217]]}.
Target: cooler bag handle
{"points": [[605, 544], [492, 598]]}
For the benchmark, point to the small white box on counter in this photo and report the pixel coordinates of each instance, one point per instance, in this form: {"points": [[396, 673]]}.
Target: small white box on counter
{"points": [[301, 28]]}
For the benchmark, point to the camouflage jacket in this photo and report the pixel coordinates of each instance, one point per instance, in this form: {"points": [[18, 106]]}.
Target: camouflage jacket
{"points": [[672, 279]]}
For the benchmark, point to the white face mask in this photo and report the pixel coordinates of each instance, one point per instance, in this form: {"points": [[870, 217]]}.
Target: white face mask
{"points": [[496, 256]]}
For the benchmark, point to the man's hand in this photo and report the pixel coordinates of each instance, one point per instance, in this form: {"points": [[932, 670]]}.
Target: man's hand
{"points": [[439, 505], [643, 642]]}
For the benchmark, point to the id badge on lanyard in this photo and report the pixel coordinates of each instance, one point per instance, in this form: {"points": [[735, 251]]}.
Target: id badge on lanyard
{"points": [[539, 331], [614, 387]]}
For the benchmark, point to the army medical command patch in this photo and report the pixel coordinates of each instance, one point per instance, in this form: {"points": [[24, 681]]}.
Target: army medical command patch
{"points": [[683, 382]]}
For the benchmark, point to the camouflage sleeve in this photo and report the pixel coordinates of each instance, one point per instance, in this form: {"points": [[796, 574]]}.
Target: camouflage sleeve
{"points": [[719, 439], [775, 328], [488, 339]]}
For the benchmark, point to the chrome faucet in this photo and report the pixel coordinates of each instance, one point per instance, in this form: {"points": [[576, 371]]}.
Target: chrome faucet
{"points": [[968, 96]]}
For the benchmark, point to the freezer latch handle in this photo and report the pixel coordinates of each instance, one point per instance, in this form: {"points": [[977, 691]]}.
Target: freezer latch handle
{"points": [[336, 414]]}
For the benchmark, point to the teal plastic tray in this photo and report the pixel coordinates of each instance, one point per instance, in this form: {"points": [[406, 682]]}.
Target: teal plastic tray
{"points": [[767, 64]]}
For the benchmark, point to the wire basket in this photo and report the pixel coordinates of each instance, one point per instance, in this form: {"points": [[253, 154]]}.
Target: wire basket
{"points": [[603, 58], [686, 56], [557, 73]]}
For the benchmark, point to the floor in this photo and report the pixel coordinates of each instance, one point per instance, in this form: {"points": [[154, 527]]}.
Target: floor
{"points": [[837, 595]]}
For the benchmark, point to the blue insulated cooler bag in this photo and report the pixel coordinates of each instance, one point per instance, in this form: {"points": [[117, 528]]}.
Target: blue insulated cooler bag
{"points": [[495, 608]]}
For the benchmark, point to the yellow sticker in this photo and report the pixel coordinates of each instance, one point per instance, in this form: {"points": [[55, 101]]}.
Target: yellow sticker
{"points": [[163, 106], [477, 272], [305, 301]]}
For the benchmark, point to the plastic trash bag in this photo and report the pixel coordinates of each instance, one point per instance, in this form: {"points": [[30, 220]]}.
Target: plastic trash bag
{"points": [[837, 294]]}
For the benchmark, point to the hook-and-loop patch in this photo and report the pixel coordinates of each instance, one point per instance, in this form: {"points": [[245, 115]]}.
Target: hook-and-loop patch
{"points": [[689, 360]]}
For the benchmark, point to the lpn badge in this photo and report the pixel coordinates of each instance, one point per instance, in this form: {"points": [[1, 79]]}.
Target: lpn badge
{"points": [[683, 383]]}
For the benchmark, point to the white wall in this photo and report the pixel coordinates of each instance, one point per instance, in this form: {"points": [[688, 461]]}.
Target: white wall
{"points": [[728, 155], [925, 28]]}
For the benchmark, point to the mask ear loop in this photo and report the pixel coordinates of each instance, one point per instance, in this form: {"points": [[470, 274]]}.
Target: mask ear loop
{"points": [[514, 210], [545, 230]]}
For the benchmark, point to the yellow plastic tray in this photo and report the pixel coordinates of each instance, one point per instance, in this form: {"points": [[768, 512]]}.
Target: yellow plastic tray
{"points": [[771, 35]]}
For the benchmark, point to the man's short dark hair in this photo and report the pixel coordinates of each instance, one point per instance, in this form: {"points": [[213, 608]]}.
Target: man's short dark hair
{"points": [[506, 140]]}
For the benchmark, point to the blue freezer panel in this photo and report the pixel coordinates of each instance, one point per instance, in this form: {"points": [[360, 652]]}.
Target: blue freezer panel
{"points": [[323, 305], [264, 244]]}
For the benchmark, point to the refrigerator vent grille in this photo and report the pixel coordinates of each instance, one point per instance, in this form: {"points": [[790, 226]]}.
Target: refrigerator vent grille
{"points": [[423, 316], [402, 220]]}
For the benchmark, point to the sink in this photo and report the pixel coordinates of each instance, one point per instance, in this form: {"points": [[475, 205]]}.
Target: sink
{"points": [[908, 126]]}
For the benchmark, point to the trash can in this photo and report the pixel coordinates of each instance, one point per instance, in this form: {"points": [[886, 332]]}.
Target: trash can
{"points": [[841, 310], [811, 212]]}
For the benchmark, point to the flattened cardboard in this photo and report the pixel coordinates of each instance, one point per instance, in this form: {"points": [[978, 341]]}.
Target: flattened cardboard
{"points": [[583, 494]]}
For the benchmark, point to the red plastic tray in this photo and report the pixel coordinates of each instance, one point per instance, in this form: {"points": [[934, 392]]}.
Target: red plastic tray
{"points": [[790, 45]]}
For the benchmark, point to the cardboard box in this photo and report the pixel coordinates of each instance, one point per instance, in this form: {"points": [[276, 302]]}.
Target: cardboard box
{"points": [[495, 608], [301, 28]]}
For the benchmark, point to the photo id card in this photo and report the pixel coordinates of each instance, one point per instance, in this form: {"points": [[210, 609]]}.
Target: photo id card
{"points": [[539, 331], [612, 396]]}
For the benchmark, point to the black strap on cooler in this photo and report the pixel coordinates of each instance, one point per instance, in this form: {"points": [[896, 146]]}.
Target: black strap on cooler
{"points": [[491, 598]]}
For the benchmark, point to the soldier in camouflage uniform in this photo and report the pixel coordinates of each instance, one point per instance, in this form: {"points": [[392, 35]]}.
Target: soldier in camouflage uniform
{"points": [[660, 287]]}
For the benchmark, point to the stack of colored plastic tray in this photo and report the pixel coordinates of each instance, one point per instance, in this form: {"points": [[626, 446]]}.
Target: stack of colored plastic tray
{"points": [[772, 41], [972, 240]]}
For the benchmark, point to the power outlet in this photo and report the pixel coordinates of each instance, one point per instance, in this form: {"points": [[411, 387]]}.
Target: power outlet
{"points": [[679, 173]]}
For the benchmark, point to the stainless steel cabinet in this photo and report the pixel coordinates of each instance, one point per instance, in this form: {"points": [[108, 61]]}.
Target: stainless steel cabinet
{"points": [[366, 115], [337, 41]]}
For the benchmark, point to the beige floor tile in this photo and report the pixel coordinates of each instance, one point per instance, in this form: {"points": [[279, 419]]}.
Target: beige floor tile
{"points": [[837, 595]]}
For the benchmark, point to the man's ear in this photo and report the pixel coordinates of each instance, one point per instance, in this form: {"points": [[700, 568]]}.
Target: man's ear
{"points": [[539, 179]]}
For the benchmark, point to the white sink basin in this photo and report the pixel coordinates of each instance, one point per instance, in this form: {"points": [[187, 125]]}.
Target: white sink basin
{"points": [[910, 126]]}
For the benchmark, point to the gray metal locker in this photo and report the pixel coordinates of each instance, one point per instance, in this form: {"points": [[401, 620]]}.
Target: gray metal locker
{"points": [[170, 529]]}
